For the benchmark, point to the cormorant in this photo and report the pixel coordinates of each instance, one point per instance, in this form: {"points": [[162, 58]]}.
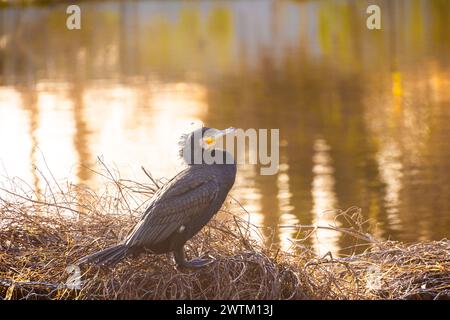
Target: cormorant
{"points": [[180, 208]]}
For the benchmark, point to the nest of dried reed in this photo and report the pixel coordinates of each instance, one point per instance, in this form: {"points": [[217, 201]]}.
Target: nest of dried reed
{"points": [[43, 234]]}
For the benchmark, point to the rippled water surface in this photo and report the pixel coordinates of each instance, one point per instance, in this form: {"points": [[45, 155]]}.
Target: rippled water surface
{"points": [[363, 115]]}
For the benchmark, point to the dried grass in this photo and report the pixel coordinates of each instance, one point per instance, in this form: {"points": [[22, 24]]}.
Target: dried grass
{"points": [[41, 235]]}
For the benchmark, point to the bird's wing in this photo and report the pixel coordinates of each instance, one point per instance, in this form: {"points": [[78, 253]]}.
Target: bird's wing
{"points": [[183, 198]]}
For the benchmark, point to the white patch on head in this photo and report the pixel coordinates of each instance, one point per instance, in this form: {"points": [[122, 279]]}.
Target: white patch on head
{"points": [[181, 229]]}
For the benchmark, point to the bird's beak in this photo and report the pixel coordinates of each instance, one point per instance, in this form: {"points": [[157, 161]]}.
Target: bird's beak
{"points": [[225, 132], [212, 138]]}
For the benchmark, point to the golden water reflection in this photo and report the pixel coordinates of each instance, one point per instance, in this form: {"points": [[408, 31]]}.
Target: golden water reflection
{"points": [[363, 115], [324, 199]]}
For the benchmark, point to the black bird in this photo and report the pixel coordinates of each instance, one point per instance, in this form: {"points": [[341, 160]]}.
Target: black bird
{"points": [[183, 206]]}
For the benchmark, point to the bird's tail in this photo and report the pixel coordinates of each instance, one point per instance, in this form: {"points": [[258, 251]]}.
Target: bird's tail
{"points": [[107, 257]]}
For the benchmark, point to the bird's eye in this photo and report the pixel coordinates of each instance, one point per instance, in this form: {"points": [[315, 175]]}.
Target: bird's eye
{"points": [[209, 140]]}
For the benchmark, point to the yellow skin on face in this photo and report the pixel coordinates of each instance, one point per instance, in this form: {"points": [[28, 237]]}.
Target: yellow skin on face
{"points": [[209, 140]]}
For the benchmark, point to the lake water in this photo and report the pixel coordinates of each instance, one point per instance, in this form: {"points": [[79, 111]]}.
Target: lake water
{"points": [[363, 114]]}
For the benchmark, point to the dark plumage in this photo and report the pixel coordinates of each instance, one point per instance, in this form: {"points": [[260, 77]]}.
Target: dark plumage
{"points": [[181, 207]]}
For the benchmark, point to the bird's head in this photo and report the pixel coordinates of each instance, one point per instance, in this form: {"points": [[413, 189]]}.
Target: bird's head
{"points": [[194, 145]]}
